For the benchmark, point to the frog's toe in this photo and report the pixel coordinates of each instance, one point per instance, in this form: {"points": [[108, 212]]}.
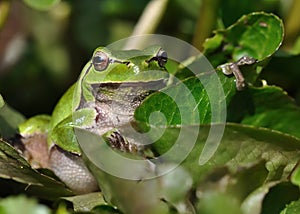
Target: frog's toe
{"points": [[71, 169]]}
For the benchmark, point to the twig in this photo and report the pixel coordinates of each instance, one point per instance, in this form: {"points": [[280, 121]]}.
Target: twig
{"points": [[148, 21]]}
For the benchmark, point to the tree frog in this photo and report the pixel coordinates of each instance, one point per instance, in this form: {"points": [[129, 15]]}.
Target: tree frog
{"points": [[110, 87]]}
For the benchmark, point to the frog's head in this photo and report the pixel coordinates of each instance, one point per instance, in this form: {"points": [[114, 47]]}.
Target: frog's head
{"points": [[107, 66], [126, 67]]}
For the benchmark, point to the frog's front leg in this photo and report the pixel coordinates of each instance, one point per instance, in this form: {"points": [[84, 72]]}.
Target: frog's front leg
{"points": [[69, 167]]}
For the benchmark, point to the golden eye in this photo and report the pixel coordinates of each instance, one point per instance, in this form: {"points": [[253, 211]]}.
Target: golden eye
{"points": [[100, 61]]}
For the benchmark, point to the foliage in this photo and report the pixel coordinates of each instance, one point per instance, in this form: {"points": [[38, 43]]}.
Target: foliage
{"points": [[254, 168]]}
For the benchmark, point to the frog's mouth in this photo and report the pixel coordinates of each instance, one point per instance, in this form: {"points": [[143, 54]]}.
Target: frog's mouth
{"points": [[146, 85]]}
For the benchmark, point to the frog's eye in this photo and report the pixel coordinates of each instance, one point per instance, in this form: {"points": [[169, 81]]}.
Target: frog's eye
{"points": [[162, 57], [100, 61]]}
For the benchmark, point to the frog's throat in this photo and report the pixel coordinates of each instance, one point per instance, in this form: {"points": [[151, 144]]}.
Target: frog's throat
{"points": [[127, 94], [114, 103]]}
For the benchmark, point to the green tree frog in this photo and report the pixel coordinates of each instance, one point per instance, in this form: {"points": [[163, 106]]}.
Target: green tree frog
{"points": [[109, 89]]}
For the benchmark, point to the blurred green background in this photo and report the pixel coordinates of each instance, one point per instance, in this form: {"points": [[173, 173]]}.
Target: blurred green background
{"points": [[42, 50]]}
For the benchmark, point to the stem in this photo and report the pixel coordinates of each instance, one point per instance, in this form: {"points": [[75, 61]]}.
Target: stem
{"points": [[292, 24], [4, 10], [148, 21], [206, 22]]}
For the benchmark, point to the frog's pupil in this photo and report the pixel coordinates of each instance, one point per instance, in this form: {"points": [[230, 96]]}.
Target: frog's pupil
{"points": [[98, 59]]}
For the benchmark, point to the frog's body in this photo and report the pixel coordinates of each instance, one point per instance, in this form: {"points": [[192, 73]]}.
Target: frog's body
{"points": [[111, 86]]}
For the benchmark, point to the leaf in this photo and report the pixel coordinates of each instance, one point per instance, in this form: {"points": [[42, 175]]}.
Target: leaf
{"points": [[9, 120], [267, 197], [21, 204], [196, 100], [292, 208], [85, 203], [240, 145], [257, 35], [13, 166], [41, 4], [253, 203], [218, 203], [247, 160], [268, 107], [253, 157], [201, 99]]}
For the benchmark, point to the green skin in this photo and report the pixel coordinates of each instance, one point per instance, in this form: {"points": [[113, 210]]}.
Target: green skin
{"points": [[123, 78]]}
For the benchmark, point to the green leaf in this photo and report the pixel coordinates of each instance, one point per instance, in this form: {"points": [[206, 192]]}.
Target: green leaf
{"points": [[84, 203], [247, 163], [252, 157], [268, 107], [267, 197], [295, 176], [21, 204], [240, 145], [257, 35], [41, 4], [218, 203], [292, 208], [15, 167], [253, 202], [9, 120], [196, 100]]}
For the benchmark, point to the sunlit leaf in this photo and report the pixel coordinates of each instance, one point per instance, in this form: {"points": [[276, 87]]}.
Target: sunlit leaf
{"points": [[41, 4], [257, 35]]}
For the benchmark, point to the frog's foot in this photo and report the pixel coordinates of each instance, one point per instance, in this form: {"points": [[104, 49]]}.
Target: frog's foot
{"points": [[131, 145], [233, 68], [34, 149], [117, 141], [71, 169]]}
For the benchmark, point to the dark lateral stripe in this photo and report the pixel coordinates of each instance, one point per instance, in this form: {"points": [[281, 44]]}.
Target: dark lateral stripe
{"points": [[156, 84]]}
